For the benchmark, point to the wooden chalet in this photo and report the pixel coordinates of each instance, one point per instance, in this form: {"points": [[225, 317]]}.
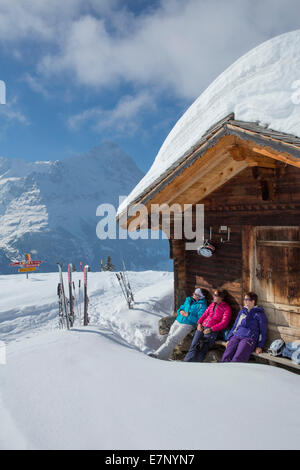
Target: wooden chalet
{"points": [[248, 178]]}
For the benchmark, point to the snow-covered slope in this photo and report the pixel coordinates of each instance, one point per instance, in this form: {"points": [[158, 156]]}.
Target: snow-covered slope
{"points": [[30, 306], [93, 388], [263, 86], [49, 210]]}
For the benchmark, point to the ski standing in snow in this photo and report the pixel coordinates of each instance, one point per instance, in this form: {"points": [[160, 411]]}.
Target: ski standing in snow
{"points": [[71, 297], [125, 286], [65, 320], [86, 299]]}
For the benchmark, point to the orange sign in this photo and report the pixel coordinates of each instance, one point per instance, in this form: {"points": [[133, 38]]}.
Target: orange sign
{"points": [[25, 270]]}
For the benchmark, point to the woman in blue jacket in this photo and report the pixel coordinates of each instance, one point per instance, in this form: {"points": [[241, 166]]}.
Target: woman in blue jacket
{"points": [[187, 316], [249, 332]]}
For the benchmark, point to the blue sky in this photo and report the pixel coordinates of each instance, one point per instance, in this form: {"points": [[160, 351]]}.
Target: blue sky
{"points": [[82, 71]]}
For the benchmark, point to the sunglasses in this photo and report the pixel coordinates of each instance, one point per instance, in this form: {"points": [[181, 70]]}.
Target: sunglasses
{"points": [[246, 299], [216, 295]]}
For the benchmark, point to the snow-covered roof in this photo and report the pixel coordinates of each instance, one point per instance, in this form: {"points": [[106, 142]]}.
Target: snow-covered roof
{"points": [[263, 86]]}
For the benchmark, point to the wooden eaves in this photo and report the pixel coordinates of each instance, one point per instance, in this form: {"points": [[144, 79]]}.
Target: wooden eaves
{"points": [[225, 150]]}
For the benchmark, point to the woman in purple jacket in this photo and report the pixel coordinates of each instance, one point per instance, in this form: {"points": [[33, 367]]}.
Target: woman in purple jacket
{"points": [[249, 332]]}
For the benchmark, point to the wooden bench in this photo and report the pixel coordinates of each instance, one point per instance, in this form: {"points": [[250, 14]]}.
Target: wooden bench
{"points": [[272, 360]]}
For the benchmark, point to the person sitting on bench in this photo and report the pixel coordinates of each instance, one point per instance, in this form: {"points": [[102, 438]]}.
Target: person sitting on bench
{"points": [[187, 316], [248, 333], [215, 318]]}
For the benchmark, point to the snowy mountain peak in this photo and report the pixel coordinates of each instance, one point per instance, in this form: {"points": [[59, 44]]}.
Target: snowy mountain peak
{"points": [[50, 208]]}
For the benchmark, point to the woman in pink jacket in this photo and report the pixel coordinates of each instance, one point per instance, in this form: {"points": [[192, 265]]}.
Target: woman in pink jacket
{"points": [[215, 318]]}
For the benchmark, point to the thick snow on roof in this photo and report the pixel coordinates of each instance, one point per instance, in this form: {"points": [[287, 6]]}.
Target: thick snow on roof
{"points": [[263, 86]]}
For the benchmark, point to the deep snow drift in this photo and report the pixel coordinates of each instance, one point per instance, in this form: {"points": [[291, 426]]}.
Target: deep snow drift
{"points": [[94, 388]]}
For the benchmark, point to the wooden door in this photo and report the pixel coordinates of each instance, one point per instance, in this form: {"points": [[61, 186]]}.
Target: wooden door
{"points": [[275, 277]]}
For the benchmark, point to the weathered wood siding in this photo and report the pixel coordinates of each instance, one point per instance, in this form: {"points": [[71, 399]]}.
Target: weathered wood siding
{"points": [[223, 270], [257, 197]]}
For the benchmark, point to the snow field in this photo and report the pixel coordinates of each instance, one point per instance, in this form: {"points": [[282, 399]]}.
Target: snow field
{"points": [[93, 388]]}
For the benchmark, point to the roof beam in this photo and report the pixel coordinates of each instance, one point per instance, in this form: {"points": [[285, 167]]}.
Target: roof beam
{"points": [[277, 156]]}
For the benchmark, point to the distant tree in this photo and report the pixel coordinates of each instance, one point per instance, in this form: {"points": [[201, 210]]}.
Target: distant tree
{"points": [[108, 265]]}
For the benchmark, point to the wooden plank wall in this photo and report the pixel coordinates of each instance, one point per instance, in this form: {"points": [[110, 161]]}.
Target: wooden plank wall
{"points": [[242, 202], [223, 270]]}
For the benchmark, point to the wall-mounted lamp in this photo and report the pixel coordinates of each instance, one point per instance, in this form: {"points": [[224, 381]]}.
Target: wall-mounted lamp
{"points": [[206, 250]]}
